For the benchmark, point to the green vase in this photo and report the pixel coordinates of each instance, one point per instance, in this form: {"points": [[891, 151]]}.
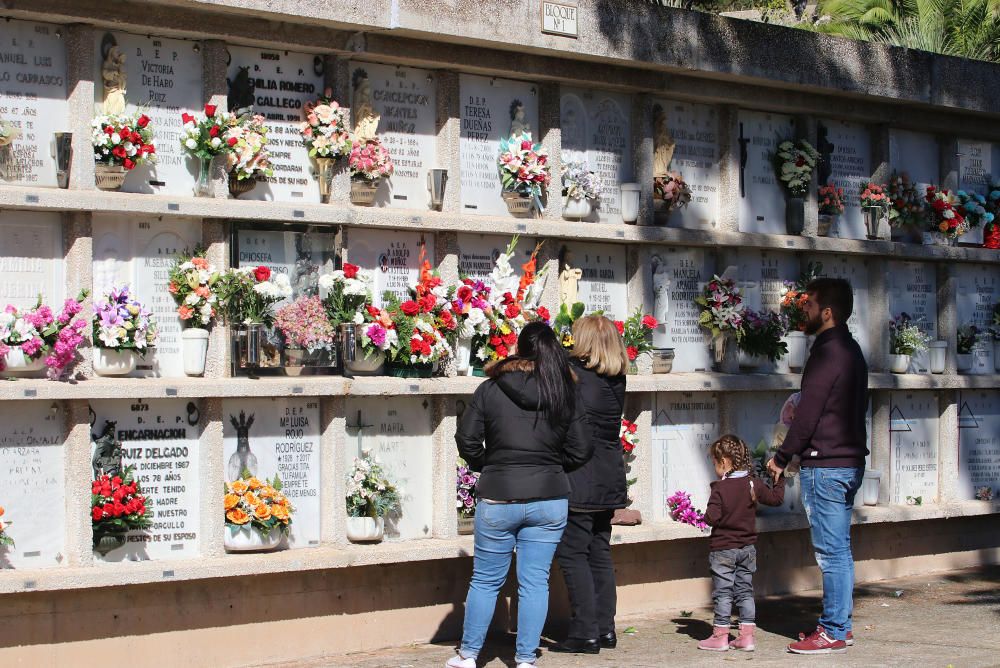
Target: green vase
{"points": [[479, 371], [411, 370]]}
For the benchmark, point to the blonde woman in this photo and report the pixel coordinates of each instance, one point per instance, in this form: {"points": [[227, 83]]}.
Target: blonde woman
{"points": [[598, 488]]}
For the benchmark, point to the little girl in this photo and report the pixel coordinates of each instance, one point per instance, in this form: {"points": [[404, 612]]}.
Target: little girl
{"points": [[732, 514]]}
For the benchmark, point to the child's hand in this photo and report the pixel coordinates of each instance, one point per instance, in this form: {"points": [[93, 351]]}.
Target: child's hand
{"points": [[788, 409]]}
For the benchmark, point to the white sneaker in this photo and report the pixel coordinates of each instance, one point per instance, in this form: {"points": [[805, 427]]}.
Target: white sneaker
{"points": [[458, 662], [525, 665]]}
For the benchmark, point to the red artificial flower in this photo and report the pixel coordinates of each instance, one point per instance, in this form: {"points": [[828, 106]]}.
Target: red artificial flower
{"points": [[119, 509], [210, 110], [187, 118], [502, 351], [108, 130], [633, 352], [938, 205], [95, 488], [410, 307], [125, 133], [465, 293], [495, 341], [543, 313], [149, 148], [213, 131], [649, 322], [525, 145], [262, 273], [128, 164], [118, 151], [109, 509], [350, 270], [627, 447], [232, 141], [143, 121], [620, 326], [510, 339], [512, 311], [372, 311], [427, 303], [96, 513]]}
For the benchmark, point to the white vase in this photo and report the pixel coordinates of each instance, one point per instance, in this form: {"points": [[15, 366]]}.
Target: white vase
{"points": [[249, 538], [17, 362], [365, 529], [982, 359], [963, 361], [938, 356], [899, 363], [576, 208], [112, 362], [796, 342], [750, 362], [870, 487], [463, 356], [630, 202], [194, 346]]}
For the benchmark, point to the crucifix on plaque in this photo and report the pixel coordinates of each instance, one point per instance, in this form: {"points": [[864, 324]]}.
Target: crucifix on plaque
{"points": [[744, 142], [360, 426], [825, 168]]}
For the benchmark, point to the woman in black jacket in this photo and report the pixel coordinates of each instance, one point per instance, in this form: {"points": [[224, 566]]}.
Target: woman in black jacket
{"points": [[598, 488], [535, 429]]}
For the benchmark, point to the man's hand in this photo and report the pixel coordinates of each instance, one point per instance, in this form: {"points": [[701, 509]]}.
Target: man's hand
{"points": [[774, 469]]}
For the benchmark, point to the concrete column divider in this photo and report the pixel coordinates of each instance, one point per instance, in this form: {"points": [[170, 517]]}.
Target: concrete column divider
{"points": [[78, 241], [212, 464], [642, 154], [878, 314], [215, 238], [332, 469], [639, 408], [449, 133], [806, 127], [80, 69], [550, 136], [337, 77], [443, 465], [949, 489], [881, 456], [729, 169], [79, 474], [214, 58]]}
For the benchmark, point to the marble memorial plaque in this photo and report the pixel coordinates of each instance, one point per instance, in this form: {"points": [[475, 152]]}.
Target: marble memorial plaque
{"points": [[855, 270], [690, 137], [685, 424], [677, 276], [847, 163], [301, 253], [31, 259], [138, 251], [32, 482], [397, 431], [762, 276], [757, 414], [478, 253], [597, 130], [602, 286], [405, 98], [917, 154], [979, 442], [160, 438], [490, 109], [278, 436], [913, 290], [393, 256], [164, 81], [975, 171], [282, 82], [762, 197], [913, 438], [978, 290], [32, 100]]}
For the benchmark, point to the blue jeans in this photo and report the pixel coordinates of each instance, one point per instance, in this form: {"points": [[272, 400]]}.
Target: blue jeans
{"points": [[534, 529], [828, 498]]}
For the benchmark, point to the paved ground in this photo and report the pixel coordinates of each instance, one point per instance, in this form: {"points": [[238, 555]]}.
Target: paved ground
{"points": [[947, 619]]}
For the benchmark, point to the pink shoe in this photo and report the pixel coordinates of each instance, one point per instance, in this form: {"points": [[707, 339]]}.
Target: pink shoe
{"points": [[745, 641], [719, 642]]}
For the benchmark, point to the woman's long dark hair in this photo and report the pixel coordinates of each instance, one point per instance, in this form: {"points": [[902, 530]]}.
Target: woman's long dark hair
{"points": [[556, 386]]}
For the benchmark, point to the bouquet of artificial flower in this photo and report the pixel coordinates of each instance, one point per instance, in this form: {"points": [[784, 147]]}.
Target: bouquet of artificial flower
{"points": [[579, 183], [973, 207], [943, 213], [760, 334], [206, 138], [673, 190], [969, 336], [251, 502], [369, 492], [117, 504], [39, 332], [248, 157], [831, 200], [721, 307], [472, 306], [682, 511], [872, 196], [906, 205], [348, 291], [194, 284], [465, 490], [305, 325], [123, 140], [523, 166], [905, 337], [793, 298], [635, 331], [794, 163], [5, 538], [378, 333], [248, 295], [123, 322], [629, 439], [326, 131], [369, 160]]}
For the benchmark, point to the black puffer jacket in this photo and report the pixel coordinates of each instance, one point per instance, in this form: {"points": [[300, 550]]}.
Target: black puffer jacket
{"points": [[600, 483], [525, 457]]}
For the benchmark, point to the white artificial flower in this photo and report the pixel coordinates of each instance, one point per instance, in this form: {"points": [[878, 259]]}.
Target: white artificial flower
{"points": [[326, 282], [216, 142], [353, 286], [116, 138], [358, 318], [948, 214], [475, 316], [283, 285], [191, 143], [186, 266]]}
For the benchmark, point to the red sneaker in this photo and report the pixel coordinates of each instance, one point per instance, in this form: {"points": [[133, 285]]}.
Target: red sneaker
{"points": [[818, 643], [849, 641]]}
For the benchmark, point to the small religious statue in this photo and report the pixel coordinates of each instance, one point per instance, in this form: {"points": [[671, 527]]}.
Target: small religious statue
{"points": [[661, 288], [365, 118], [114, 77], [240, 95], [663, 142], [107, 452], [241, 460], [569, 279], [518, 123]]}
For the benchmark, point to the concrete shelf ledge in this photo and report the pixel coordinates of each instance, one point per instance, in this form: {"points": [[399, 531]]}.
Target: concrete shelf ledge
{"points": [[342, 213], [346, 556], [279, 386]]}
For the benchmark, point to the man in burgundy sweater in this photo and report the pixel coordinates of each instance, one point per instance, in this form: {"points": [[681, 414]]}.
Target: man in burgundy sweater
{"points": [[828, 433]]}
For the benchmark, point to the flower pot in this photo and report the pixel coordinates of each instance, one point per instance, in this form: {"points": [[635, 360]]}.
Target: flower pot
{"points": [[982, 359], [109, 177], [633, 368], [363, 192], [796, 342], [630, 202], [478, 372], [873, 218], [324, 175], [114, 362], [249, 538], [725, 355], [463, 356], [870, 487], [104, 543], [355, 361], [825, 224], [466, 525], [795, 215], [437, 179], [17, 362], [365, 529], [194, 347], [749, 362], [63, 153], [576, 208], [203, 186], [295, 361], [518, 204], [963, 361], [937, 352], [411, 370], [944, 239], [663, 360], [899, 363], [238, 186], [252, 348]]}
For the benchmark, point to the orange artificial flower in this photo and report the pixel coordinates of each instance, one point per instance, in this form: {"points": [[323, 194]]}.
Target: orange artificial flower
{"points": [[230, 501], [266, 492], [254, 483], [203, 291], [238, 487], [528, 277], [199, 262], [237, 516], [262, 512], [185, 312], [280, 513], [251, 499], [1, 511], [280, 499]]}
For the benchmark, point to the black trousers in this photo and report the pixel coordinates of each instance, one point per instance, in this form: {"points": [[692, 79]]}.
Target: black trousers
{"points": [[584, 555]]}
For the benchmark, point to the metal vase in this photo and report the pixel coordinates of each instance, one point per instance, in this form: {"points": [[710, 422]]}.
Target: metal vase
{"points": [[873, 216], [437, 178], [255, 339], [324, 174], [348, 342], [63, 153], [795, 215]]}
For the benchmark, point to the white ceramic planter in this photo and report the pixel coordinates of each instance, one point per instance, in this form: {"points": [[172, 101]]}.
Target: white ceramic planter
{"points": [[463, 356], [630, 202], [899, 363], [362, 366], [111, 362], [963, 361], [365, 529], [194, 346], [466, 525], [576, 208], [250, 539], [796, 342], [870, 487], [363, 192], [109, 177], [17, 362], [752, 363], [982, 359], [937, 352]]}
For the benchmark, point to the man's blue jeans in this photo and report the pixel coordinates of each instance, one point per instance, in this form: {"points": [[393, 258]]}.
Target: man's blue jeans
{"points": [[534, 529], [828, 498]]}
